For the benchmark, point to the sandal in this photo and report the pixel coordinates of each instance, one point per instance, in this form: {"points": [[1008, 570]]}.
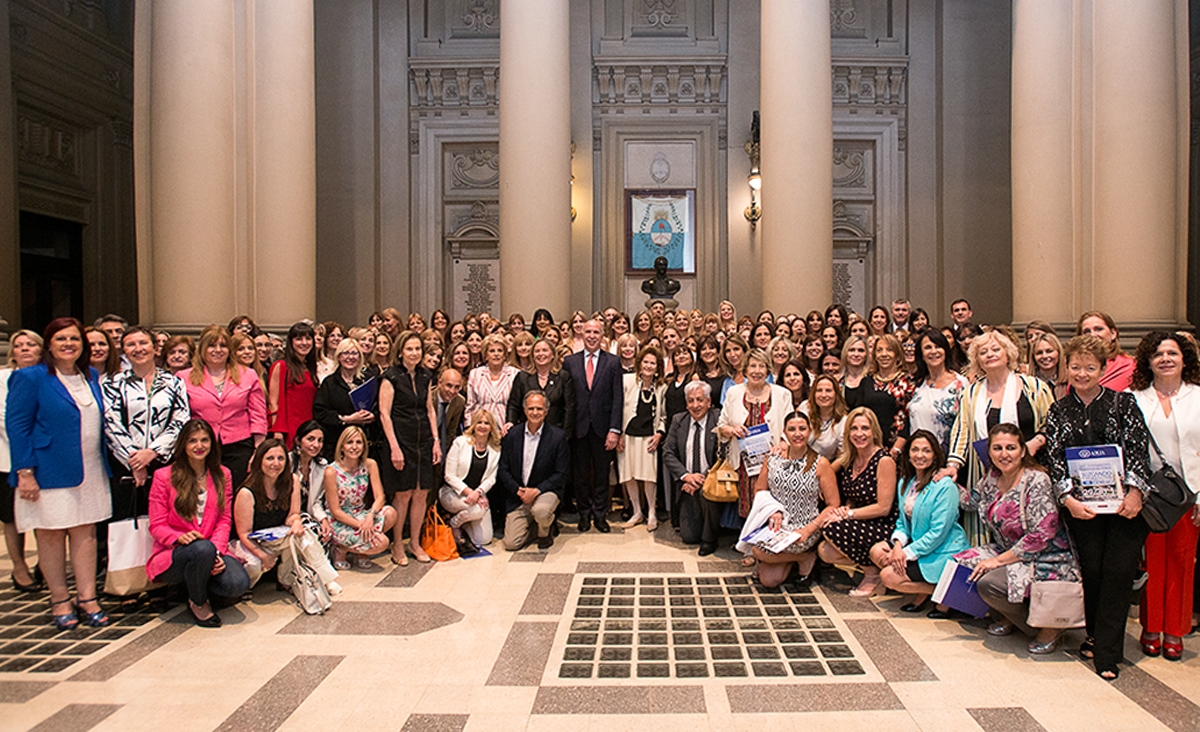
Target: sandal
{"points": [[66, 621], [401, 561], [97, 619], [1000, 628], [341, 565], [1087, 649], [1108, 674], [1172, 651], [1151, 644], [361, 562], [748, 561]]}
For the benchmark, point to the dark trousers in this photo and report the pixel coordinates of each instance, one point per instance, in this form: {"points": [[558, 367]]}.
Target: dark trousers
{"points": [[236, 456], [1110, 552], [699, 518], [593, 495], [192, 565]]}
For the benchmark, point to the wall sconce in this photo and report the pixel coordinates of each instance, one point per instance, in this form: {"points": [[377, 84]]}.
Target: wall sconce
{"points": [[754, 210]]}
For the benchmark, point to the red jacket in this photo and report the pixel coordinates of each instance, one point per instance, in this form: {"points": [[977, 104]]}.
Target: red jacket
{"points": [[166, 525]]}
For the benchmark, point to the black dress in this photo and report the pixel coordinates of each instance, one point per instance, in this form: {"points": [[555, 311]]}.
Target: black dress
{"points": [[410, 420]]}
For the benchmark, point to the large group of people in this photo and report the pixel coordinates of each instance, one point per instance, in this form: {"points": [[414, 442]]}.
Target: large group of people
{"points": [[895, 447]]}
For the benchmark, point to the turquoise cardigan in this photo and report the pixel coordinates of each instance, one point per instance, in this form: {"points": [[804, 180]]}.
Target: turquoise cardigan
{"points": [[933, 534]]}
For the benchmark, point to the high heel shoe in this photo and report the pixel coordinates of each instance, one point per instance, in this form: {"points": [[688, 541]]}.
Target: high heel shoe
{"points": [[68, 620], [1002, 628], [1151, 645], [915, 607], [866, 588], [1045, 649], [1087, 649], [633, 521], [31, 587], [1172, 651], [97, 619]]}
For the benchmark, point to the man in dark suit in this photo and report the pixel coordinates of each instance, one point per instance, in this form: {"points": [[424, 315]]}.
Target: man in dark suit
{"points": [[450, 406], [533, 470], [689, 451], [599, 396]]}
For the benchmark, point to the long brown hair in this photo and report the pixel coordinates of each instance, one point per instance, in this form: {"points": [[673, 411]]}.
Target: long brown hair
{"points": [[283, 484], [208, 337], [187, 492]]}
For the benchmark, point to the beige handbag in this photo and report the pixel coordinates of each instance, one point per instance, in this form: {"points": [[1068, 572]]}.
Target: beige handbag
{"points": [[721, 483], [1055, 604]]}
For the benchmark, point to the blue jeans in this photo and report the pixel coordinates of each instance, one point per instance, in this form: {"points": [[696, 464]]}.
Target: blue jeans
{"points": [[192, 565]]}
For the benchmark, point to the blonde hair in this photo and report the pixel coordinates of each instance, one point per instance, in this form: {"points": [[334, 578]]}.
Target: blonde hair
{"points": [[893, 344], [493, 339], [12, 356], [235, 341], [346, 345], [208, 337], [351, 431], [1011, 352], [849, 452], [484, 415], [522, 338]]}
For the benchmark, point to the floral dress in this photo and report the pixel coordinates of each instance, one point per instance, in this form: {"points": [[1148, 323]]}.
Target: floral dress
{"points": [[855, 537], [935, 409], [1024, 519], [352, 489], [756, 415]]}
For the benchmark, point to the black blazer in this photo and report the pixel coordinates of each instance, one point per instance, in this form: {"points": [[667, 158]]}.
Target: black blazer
{"points": [[597, 410], [675, 447], [560, 395], [551, 464]]}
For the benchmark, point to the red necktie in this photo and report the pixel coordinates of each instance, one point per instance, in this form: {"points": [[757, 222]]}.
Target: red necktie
{"points": [[591, 369]]}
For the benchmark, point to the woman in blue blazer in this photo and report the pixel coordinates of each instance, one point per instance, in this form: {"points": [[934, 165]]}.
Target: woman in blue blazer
{"points": [[927, 531], [55, 419]]}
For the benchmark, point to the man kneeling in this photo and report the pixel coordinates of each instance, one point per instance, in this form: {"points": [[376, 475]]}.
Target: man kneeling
{"points": [[534, 463]]}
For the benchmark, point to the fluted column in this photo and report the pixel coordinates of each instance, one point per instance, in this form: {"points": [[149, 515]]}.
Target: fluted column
{"points": [[1140, 183], [284, 163], [797, 155], [1044, 177], [535, 157], [191, 159]]}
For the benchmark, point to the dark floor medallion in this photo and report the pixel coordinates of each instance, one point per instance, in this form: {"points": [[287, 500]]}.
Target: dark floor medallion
{"points": [[699, 627]]}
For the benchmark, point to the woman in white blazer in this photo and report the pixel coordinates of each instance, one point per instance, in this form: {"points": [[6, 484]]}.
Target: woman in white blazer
{"points": [[748, 404], [1166, 384], [471, 465], [643, 424]]}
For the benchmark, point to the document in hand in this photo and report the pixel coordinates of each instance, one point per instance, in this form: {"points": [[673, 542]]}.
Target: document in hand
{"points": [[954, 591], [1096, 471], [773, 541], [365, 394], [272, 533], [755, 447]]}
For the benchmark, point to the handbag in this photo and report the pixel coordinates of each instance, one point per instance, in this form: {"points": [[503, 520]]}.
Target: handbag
{"points": [[436, 537], [1169, 497], [129, 547], [307, 586], [1056, 604], [1053, 603], [721, 483]]}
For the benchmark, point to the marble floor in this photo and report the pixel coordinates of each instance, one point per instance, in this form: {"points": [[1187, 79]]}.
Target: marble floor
{"points": [[601, 632]]}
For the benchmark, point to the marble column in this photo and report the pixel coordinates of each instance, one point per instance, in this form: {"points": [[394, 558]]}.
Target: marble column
{"points": [[191, 163], [797, 155], [1140, 174], [1044, 177], [284, 163], [1100, 155], [535, 158]]}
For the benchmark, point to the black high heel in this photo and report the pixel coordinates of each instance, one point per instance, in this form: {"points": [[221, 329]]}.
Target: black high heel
{"points": [[34, 586]]}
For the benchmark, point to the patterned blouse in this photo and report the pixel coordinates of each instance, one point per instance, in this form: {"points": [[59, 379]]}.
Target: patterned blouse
{"points": [[483, 393], [1111, 419], [901, 388], [1024, 520], [935, 409], [135, 420]]}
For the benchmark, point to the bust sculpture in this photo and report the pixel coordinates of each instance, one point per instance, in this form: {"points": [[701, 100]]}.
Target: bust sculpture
{"points": [[661, 287]]}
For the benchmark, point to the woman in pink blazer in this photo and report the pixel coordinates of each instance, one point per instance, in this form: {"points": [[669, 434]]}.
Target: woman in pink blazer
{"points": [[229, 397], [191, 510]]}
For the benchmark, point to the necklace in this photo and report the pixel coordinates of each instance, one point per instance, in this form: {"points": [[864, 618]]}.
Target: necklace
{"points": [[479, 454], [1166, 395], [646, 395]]}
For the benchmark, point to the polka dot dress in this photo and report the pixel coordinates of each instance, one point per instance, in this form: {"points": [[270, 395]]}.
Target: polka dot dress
{"points": [[855, 537]]}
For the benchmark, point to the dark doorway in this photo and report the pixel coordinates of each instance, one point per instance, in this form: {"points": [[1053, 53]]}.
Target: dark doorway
{"points": [[51, 269]]}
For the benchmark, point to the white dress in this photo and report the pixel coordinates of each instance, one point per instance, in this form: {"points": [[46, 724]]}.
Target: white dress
{"points": [[90, 501]]}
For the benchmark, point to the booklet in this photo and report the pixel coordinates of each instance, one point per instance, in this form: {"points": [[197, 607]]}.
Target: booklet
{"points": [[365, 394], [1096, 471], [272, 533], [769, 540], [755, 447], [954, 590]]}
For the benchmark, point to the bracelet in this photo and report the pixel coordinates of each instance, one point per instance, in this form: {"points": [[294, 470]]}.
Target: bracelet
{"points": [[25, 471], [849, 513]]}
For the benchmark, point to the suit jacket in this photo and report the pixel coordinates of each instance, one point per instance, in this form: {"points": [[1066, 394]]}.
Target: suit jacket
{"points": [[675, 447], [238, 412], [560, 395], [458, 465], [551, 464], [166, 525], [932, 535], [598, 409], [454, 417], [44, 430]]}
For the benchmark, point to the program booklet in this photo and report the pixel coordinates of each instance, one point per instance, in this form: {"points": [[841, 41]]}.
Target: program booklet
{"points": [[769, 540], [1096, 472], [755, 447]]}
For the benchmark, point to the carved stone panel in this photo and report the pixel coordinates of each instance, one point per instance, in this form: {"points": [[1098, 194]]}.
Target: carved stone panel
{"points": [[659, 19], [471, 170], [474, 18], [48, 144], [854, 168]]}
